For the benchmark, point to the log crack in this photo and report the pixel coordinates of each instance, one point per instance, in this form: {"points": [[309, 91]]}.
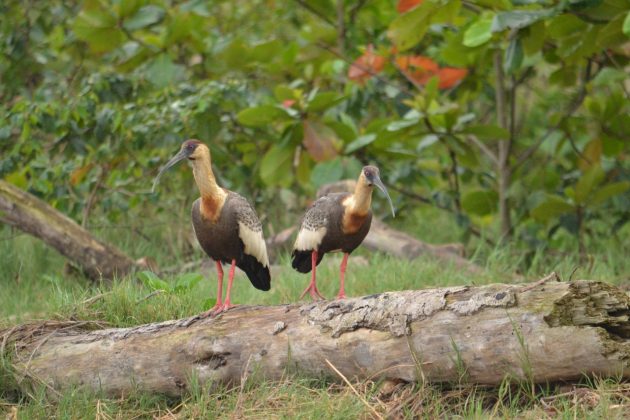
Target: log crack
{"points": [[395, 311]]}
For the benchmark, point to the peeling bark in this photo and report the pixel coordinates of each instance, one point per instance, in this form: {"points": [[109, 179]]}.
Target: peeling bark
{"points": [[31, 215], [543, 332]]}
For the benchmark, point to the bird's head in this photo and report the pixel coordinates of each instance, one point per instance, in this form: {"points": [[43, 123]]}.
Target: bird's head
{"points": [[191, 150], [370, 176]]}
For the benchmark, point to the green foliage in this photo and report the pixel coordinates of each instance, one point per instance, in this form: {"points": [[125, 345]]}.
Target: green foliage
{"points": [[96, 94]]}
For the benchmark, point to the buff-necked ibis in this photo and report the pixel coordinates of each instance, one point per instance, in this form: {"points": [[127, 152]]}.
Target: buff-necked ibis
{"points": [[226, 225], [336, 222]]}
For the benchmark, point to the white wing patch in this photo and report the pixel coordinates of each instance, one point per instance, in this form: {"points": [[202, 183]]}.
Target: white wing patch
{"points": [[308, 240], [254, 243]]}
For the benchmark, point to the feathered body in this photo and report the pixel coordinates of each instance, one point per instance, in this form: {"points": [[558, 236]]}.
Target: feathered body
{"points": [[223, 238], [225, 224], [330, 224], [335, 222]]}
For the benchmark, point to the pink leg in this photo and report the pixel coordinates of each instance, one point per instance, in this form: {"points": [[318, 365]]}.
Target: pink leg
{"points": [[219, 303], [342, 272], [227, 305], [312, 287]]}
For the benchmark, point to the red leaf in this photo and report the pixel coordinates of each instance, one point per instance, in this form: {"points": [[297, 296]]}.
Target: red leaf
{"points": [[288, 103], [450, 76], [417, 61], [366, 66], [406, 5], [320, 141]]}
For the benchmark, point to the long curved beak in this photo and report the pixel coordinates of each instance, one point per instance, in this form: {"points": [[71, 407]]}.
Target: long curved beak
{"points": [[377, 181], [179, 156]]}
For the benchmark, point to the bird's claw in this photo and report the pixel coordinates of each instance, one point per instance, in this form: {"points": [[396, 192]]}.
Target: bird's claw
{"points": [[217, 309], [313, 291], [341, 296]]}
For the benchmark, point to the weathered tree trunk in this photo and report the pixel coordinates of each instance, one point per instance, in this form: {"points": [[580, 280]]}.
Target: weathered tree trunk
{"points": [[31, 215], [540, 332]]}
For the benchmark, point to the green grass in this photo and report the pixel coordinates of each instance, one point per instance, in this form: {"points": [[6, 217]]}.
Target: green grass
{"points": [[35, 284]]}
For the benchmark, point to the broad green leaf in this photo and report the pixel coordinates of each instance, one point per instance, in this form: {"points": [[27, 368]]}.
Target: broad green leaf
{"points": [[360, 142], [534, 38], [626, 25], [488, 131], [187, 282], [323, 101], [163, 72], [153, 282], [266, 51], [283, 92], [480, 202], [585, 185], [609, 76], [275, 167], [408, 29], [261, 115], [516, 19], [98, 28], [327, 172], [608, 191], [552, 207], [513, 56], [145, 16], [479, 32]]}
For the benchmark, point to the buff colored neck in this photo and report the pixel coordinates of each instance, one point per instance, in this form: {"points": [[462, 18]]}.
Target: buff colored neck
{"points": [[204, 177], [362, 196]]}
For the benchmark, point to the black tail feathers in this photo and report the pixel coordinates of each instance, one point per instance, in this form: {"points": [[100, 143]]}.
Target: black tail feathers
{"points": [[258, 274], [301, 260]]}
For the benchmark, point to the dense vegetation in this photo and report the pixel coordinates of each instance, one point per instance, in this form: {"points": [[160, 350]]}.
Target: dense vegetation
{"points": [[512, 116], [503, 124]]}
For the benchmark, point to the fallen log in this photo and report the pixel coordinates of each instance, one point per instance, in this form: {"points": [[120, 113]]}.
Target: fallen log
{"points": [[543, 332], [28, 213]]}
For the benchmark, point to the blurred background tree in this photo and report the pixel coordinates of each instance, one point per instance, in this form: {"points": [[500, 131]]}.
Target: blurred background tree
{"points": [[511, 116]]}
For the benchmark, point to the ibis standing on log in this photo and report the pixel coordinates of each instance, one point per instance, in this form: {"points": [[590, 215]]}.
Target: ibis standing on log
{"points": [[336, 222], [225, 224]]}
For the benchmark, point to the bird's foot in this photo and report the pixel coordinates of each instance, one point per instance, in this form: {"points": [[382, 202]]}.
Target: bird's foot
{"points": [[341, 295], [313, 291], [225, 307], [212, 312]]}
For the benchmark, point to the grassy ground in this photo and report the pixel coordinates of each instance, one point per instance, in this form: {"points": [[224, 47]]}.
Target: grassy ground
{"points": [[34, 285]]}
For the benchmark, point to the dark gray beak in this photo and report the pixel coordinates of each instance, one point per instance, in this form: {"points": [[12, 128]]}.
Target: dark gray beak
{"points": [[179, 156], [377, 181]]}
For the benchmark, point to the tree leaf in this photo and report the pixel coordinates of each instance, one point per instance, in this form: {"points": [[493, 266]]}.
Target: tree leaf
{"points": [[487, 131], [408, 29], [587, 182], [608, 191], [275, 167], [327, 172], [360, 142], [98, 28], [145, 16], [480, 202], [163, 72], [320, 141], [626, 25], [552, 207], [260, 115], [323, 101], [516, 19], [479, 32], [366, 66], [513, 56]]}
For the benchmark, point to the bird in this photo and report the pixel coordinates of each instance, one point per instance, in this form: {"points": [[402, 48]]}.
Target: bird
{"points": [[336, 222], [225, 224]]}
